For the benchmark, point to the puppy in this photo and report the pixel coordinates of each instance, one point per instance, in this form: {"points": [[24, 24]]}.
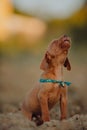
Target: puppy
{"points": [[48, 91]]}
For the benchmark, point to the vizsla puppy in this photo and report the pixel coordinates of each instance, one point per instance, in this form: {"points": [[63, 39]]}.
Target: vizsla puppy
{"points": [[51, 87]]}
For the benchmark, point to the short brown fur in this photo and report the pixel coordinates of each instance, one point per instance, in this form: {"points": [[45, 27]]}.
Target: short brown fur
{"points": [[44, 96]]}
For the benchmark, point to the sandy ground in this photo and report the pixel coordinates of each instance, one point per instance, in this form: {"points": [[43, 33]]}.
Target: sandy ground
{"points": [[16, 121]]}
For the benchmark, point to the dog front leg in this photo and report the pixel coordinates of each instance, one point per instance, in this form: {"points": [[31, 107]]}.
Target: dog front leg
{"points": [[63, 107], [44, 107]]}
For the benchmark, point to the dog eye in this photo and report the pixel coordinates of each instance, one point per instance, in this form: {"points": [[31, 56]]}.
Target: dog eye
{"points": [[53, 56]]}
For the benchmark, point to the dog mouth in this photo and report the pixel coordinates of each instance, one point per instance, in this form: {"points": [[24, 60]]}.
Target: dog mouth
{"points": [[66, 40], [66, 44]]}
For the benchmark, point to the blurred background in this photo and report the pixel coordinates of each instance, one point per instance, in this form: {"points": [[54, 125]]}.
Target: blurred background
{"points": [[26, 29]]}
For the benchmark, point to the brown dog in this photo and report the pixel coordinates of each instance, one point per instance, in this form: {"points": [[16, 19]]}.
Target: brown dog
{"points": [[44, 96]]}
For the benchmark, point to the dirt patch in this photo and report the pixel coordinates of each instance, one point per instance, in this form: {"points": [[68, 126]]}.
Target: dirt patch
{"points": [[16, 121]]}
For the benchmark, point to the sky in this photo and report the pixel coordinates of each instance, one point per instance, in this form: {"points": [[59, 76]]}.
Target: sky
{"points": [[49, 9]]}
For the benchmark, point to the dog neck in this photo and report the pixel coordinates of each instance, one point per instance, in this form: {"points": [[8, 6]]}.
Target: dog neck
{"points": [[53, 73]]}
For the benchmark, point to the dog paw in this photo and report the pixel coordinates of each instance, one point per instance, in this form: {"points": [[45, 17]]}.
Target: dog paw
{"points": [[46, 118], [63, 117]]}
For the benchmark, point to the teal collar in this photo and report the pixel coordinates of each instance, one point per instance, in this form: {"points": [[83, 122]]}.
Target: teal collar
{"points": [[61, 83]]}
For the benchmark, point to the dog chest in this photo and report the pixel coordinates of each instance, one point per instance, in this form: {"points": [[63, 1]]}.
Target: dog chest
{"points": [[53, 96]]}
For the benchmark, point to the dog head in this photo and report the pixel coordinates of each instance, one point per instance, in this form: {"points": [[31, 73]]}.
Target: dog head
{"points": [[56, 54]]}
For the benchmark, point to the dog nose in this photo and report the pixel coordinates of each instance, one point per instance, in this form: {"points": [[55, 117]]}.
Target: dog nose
{"points": [[65, 35]]}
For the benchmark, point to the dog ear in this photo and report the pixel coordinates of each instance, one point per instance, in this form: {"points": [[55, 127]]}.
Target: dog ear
{"points": [[45, 62], [67, 64]]}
